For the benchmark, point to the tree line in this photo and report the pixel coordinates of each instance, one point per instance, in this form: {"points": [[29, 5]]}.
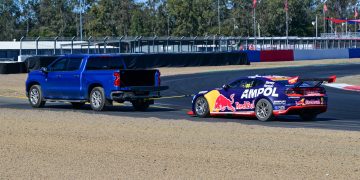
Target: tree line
{"points": [[50, 18]]}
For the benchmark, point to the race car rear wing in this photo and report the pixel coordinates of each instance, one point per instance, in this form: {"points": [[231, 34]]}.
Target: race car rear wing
{"points": [[299, 81]]}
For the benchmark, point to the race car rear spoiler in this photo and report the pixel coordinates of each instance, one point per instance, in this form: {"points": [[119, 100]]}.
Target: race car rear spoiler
{"points": [[299, 80]]}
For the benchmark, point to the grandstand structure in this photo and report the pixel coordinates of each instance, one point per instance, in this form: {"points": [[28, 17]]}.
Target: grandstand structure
{"points": [[24, 47]]}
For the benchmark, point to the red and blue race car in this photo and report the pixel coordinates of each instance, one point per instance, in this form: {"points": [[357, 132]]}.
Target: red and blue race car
{"points": [[265, 97]]}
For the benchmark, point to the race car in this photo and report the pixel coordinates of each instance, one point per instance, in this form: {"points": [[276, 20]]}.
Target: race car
{"points": [[265, 97]]}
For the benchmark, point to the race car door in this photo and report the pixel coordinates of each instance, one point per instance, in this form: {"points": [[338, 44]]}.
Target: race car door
{"points": [[242, 93]]}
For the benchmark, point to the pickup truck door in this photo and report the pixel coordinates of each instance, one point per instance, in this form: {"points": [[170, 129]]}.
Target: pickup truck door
{"points": [[63, 79], [52, 88], [70, 80]]}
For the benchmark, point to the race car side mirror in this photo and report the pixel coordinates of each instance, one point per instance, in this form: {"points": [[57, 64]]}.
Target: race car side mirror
{"points": [[225, 86]]}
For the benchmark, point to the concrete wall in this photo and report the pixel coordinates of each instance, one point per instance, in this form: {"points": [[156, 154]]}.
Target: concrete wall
{"points": [[319, 54]]}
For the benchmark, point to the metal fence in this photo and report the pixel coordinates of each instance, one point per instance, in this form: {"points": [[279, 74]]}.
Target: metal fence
{"points": [[139, 44]]}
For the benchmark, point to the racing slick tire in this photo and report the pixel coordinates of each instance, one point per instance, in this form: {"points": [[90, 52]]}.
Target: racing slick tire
{"points": [[308, 116], [264, 110], [36, 98], [140, 105], [77, 105], [202, 107], [97, 99]]}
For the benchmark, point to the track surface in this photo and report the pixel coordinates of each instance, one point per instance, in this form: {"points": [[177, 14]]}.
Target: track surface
{"points": [[343, 111]]}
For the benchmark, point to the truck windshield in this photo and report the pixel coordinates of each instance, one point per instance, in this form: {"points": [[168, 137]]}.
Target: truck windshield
{"points": [[105, 63]]}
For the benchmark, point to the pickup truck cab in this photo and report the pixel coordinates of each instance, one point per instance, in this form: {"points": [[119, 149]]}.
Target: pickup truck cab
{"points": [[98, 79]]}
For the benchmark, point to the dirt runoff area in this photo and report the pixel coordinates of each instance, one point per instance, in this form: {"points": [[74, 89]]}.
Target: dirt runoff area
{"points": [[14, 84], [40, 144]]}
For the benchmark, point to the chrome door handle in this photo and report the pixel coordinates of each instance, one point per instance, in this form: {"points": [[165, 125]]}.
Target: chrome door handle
{"points": [[58, 76], [76, 75]]}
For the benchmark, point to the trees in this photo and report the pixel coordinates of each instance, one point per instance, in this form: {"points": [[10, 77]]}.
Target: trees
{"points": [[8, 17], [166, 17]]}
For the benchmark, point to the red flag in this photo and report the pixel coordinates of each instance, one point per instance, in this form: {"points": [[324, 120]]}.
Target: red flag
{"points": [[356, 13], [325, 7], [254, 3], [286, 5]]}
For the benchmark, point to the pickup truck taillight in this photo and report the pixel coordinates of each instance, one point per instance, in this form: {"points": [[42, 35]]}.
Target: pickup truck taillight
{"points": [[117, 79]]}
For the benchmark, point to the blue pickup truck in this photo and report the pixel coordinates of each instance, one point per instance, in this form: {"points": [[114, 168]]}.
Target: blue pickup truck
{"points": [[98, 79]]}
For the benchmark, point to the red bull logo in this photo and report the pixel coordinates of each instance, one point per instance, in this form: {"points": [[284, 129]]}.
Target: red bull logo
{"points": [[222, 103]]}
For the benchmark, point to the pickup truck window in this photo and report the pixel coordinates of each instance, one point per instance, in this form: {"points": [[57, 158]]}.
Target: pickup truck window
{"points": [[60, 65], [66, 64], [73, 64], [105, 63]]}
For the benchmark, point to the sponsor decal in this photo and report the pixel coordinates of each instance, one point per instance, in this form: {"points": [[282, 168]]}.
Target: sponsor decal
{"points": [[222, 103], [253, 93], [269, 84], [303, 102], [312, 102], [281, 102], [245, 105]]}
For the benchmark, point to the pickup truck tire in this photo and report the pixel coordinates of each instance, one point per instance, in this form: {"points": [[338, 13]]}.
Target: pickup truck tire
{"points": [[77, 105], [140, 105], [97, 99], [36, 98]]}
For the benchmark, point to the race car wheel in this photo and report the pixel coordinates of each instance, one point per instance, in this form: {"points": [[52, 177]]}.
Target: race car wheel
{"points": [[202, 107], [77, 105], [264, 110], [140, 105], [97, 99], [308, 116], [36, 97]]}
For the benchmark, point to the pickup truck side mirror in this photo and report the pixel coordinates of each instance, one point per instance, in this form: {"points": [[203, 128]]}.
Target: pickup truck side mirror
{"points": [[44, 70], [225, 87]]}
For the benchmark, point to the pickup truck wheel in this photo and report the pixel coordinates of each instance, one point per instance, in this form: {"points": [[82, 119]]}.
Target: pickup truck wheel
{"points": [[36, 98], [97, 99], [77, 105], [140, 105]]}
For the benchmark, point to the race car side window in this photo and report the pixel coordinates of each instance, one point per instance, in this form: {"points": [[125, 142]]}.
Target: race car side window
{"points": [[243, 83]]}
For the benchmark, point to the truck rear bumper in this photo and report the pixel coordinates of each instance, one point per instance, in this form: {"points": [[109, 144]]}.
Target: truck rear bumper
{"points": [[137, 92], [130, 96]]}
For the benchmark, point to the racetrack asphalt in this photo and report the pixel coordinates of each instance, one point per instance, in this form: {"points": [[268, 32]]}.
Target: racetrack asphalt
{"points": [[342, 114]]}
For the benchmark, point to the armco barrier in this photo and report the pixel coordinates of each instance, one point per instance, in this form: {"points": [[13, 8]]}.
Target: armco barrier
{"points": [[319, 54], [354, 53], [276, 55]]}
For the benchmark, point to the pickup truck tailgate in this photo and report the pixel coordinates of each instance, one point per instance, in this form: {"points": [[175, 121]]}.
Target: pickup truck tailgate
{"points": [[138, 77]]}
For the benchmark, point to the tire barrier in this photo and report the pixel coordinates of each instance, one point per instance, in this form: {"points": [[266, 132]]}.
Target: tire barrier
{"points": [[12, 67], [36, 62], [321, 54], [141, 61], [276, 55]]}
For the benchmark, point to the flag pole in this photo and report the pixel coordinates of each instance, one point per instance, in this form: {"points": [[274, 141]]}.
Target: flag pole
{"points": [[287, 23], [254, 18], [324, 21]]}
